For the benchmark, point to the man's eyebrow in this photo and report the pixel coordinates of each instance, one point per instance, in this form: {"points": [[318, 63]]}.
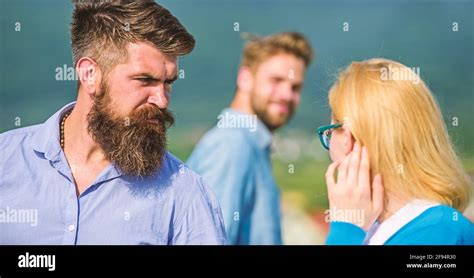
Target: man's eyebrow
{"points": [[145, 75], [154, 78], [173, 78]]}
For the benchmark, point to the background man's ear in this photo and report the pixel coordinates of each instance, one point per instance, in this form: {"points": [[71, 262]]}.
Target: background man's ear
{"points": [[244, 80], [89, 75], [349, 140]]}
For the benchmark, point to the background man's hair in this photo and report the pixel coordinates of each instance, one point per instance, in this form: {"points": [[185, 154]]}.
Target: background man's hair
{"points": [[101, 30], [258, 50]]}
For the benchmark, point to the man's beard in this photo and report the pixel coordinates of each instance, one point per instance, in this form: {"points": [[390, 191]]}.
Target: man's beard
{"points": [[133, 144], [261, 109]]}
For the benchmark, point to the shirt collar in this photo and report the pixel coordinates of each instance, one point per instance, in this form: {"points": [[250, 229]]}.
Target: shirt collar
{"points": [[46, 139], [261, 136], [380, 233]]}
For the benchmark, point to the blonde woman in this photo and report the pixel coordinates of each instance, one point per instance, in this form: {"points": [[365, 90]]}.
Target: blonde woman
{"points": [[382, 108]]}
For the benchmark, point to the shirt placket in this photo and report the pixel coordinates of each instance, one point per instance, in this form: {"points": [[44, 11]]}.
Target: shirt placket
{"points": [[72, 208]]}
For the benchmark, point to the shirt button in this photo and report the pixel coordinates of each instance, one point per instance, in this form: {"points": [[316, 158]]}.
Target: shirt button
{"points": [[71, 228]]}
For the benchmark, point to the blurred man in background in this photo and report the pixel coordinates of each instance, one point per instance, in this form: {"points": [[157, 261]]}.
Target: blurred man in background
{"points": [[234, 157]]}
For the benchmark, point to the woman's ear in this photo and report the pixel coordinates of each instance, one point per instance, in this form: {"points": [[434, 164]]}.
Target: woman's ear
{"points": [[349, 140]]}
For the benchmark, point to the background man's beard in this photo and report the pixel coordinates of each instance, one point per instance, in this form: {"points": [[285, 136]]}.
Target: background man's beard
{"points": [[261, 110], [132, 143]]}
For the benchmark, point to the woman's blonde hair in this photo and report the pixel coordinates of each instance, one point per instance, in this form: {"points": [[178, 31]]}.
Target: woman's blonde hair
{"points": [[392, 112]]}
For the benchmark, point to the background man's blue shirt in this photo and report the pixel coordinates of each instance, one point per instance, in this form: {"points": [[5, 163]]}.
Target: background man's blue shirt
{"points": [[235, 162], [171, 207]]}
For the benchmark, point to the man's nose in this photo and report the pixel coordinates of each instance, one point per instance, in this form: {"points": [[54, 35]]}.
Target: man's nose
{"points": [[159, 97], [286, 93]]}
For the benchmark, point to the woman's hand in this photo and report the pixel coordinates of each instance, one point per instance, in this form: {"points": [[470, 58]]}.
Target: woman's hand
{"points": [[351, 198]]}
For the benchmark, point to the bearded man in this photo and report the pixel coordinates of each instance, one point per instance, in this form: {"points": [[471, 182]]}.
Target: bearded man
{"points": [[97, 171]]}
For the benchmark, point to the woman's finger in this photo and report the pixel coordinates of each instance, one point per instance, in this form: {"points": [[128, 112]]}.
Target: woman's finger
{"points": [[342, 170], [353, 168], [364, 172], [377, 195], [330, 181]]}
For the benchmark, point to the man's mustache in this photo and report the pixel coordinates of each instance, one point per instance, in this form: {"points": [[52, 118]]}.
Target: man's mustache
{"points": [[288, 104], [152, 112]]}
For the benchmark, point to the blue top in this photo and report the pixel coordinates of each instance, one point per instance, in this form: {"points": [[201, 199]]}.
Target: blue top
{"points": [[39, 205], [235, 162], [438, 225]]}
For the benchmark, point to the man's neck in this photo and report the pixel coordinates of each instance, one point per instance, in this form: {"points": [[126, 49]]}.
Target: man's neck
{"points": [[242, 103], [79, 147]]}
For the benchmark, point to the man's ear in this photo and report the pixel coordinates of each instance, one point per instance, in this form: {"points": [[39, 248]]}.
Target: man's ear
{"points": [[349, 140], [244, 79], [89, 75]]}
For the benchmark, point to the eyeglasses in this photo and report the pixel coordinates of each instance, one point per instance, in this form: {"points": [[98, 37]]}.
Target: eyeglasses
{"points": [[325, 132]]}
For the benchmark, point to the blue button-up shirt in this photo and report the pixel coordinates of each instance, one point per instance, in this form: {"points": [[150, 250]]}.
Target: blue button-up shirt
{"points": [[235, 161], [39, 205]]}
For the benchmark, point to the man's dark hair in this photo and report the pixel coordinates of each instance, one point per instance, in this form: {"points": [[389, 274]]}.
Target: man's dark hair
{"points": [[101, 30]]}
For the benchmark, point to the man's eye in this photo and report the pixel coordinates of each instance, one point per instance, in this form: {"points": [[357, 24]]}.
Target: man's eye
{"points": [[144, 80], [276, 79], [297, 88]]}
